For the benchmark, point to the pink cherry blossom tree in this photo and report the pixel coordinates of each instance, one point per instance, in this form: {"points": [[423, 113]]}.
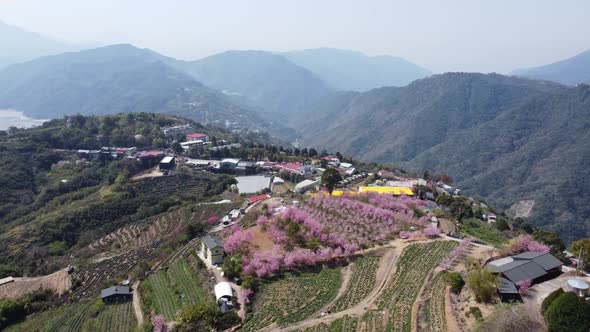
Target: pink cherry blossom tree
{"points": [[523, 286]]}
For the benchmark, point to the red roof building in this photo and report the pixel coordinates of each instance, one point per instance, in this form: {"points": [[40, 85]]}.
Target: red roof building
{"points": [[254, 199], [293, 168], [150, 154], [197, 137]]}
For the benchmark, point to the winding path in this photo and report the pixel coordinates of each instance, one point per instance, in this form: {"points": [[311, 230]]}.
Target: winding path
{"points": [[137, 304]]}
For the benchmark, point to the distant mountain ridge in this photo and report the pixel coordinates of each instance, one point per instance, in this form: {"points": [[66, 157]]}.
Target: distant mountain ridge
{"points": [[570, 71], [350, 70], [116, 79], [506, 138], [19, 45], [269, 80]]}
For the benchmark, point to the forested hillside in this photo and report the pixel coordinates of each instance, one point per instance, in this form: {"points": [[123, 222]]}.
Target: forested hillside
{"points": [[53, 203], [505, 138], [269, 80]]}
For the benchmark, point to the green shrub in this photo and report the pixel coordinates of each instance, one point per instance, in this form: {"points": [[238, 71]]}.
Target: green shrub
{"points": [[11, 311], [476, 313], [96, 308], [550, 298], [455, 280], [568, 312]]}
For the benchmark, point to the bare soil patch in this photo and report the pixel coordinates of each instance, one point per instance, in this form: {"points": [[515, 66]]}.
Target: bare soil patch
{"points": [[58, 281], [260, 239]]}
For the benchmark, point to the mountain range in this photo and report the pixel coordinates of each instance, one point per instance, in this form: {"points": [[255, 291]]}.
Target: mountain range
{"points": [[117, 79], [509, 139], [266, 79], [355, 71], [570, 71], [19, 45]]}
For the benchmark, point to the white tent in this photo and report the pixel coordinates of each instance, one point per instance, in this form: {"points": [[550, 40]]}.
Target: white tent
{"points": [[223, 290]]}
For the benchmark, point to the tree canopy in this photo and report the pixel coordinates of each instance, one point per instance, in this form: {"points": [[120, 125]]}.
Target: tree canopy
{"points": [[330, 178]]}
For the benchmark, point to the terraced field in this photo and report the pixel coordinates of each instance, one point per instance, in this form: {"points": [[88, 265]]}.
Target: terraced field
{"points": [[114, 317], [293, 299], [62, 319], [361, 283], [181, 285], [156, 228], [394, 305], [182, 186]]}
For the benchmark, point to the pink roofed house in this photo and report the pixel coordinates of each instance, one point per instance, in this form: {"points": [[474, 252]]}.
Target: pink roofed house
{"points": [[197, 137]]}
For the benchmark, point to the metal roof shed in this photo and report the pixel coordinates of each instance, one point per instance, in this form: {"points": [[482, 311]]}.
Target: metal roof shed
{"points": [[211, 242]]}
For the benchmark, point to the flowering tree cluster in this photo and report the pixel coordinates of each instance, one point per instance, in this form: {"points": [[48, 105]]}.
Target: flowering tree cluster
{"points": [[246, 294], [526, 243], [325, 227], [446, 262], [431, 231], [523, 286], [159, 323], [213, 220], [237, 240]]}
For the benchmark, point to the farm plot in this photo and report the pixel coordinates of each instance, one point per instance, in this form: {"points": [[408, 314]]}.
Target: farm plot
{"points": [[94, 275], [114, 317], [344, 324], [435, 305], [58, 281], [361, 283], [67, 318], [294, 298], [167, 291], [155, 228], [395, 303]]}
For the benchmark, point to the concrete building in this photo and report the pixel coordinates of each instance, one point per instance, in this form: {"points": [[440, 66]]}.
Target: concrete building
{"points": [[167, 163], [253, 184], [212, 249], [306, 185]]}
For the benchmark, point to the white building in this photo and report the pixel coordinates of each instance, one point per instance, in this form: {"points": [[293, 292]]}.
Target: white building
{"points": [[212, 249], [306, 185]]}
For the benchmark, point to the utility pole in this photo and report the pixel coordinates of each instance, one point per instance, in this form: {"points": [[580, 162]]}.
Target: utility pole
{"points": [[580, 265]]}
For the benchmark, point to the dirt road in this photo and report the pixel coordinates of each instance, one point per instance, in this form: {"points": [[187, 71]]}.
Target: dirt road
{"points": [[137, 304]]}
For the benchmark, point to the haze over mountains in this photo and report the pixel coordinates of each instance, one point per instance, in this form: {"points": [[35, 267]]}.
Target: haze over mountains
{"points": [[570, 71], [269, 80], [19, 45], [510, 139], [115, 79], [349, 70]]}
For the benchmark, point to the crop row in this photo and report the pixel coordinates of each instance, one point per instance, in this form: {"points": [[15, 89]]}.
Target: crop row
{"points": [[168, 290], [413, 267], [344, 324], [361, 283], [294, 298], [114, 317], [435, 305]]}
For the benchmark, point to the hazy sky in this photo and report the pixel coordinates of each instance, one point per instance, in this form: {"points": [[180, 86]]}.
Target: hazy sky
{"points": [[442, 35]]}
